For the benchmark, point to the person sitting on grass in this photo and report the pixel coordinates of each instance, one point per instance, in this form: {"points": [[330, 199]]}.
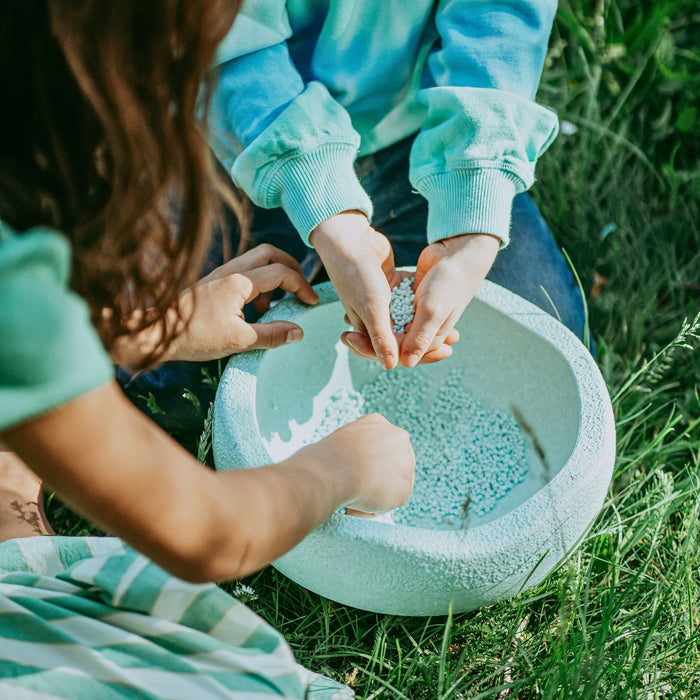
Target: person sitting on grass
{"points": [[100, 153], [388, 134], [372, 135]]}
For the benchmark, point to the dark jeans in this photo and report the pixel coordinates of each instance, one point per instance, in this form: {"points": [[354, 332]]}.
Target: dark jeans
{"points": [[531, 265]]}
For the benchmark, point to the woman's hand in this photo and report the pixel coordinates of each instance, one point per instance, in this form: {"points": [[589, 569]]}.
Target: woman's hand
{"points": [[217, 327], [360, 264], [375, 456]]}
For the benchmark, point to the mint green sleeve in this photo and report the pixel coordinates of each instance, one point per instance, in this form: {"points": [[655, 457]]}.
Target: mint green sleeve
{"points": [[303, 162], [286, 142], [483, 132], [49, 351]]}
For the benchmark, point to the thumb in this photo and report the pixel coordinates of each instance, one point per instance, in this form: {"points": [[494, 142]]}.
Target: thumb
{"points": [[273, 334]]}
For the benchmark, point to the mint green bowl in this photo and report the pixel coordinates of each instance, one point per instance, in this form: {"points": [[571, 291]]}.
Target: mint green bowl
{"points": [[513, 355]]}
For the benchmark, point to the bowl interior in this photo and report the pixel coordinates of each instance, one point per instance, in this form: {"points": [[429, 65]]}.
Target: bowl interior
{"points": [[503, 364]]}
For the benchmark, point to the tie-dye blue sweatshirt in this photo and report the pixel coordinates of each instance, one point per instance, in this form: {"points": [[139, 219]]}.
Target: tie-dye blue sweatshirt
{"points": [[308, 85]]}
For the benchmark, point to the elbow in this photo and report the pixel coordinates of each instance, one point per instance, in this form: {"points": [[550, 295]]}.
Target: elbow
{"points": [[209, 566], [200, 538], [195, 570], [204, 555]]}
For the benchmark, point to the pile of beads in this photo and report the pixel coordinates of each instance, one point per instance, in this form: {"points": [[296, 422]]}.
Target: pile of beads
{"points": [[401, 308], [343, 407], [467, 455]]}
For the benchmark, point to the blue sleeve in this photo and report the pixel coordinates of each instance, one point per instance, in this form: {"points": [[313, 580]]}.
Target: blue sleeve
{"points": [[483, 133], [285, 142], [252, 91], [497, 45]]}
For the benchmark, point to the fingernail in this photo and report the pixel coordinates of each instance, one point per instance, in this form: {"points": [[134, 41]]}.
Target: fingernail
{"points": [[386, 361], [412, 360], [295, 335]]}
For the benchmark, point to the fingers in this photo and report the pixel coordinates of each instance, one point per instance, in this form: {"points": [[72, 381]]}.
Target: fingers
{"points": [[261, 303], [375, 336], [358, 513], [360, 345], [260, 256], [278, 275], [352, 319], [427, 331], [452, 337], [383, 342], [240, 336], [421, 348], [274, 334], [380, 329], [440, 349], [442, 352]]}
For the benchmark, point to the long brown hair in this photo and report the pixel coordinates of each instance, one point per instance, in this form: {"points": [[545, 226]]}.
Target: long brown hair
{"points": [[101, 138]]}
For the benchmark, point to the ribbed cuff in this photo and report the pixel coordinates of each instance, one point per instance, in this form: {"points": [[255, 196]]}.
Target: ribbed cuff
{"points": [[469, 201], [319, 184]]}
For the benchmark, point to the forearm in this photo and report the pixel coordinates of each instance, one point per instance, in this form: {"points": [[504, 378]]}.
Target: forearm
{"points": [[474, 37], [276, 507], [117, 468]]}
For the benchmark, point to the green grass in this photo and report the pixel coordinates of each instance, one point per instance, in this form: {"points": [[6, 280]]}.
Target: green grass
{"points": [[621, 619]]}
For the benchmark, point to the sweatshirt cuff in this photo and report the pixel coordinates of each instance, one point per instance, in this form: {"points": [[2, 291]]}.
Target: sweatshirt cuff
{"points": [[470, 201], [318, 184]]}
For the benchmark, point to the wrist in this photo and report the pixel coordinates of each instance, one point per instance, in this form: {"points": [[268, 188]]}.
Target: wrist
{"points": [[319, 465], [483, 245], [132, 349], [472, 238], [339, 228]]}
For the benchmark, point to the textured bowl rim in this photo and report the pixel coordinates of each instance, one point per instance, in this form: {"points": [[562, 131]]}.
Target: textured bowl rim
{"points": [[558, 494]]}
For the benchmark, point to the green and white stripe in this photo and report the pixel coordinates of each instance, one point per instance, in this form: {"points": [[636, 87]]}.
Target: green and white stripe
{"points": [[90, 618]]}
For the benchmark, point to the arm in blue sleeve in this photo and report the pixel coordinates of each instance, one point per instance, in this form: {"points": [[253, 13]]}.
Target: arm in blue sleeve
{"points": [[483, 133], [286, 143], [252, 91]]}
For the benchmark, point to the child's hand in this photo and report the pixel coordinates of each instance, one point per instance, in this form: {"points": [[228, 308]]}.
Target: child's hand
{"points": [[217, 327], [361, 345], [376, 456], [448, 275], [360, 263]]}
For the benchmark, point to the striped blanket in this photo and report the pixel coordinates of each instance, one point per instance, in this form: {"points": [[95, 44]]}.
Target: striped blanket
{"points": [[89, 618]]}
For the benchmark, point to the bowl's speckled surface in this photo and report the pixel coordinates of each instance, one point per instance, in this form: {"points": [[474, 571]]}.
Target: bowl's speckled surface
{"points": [[515, 357]]}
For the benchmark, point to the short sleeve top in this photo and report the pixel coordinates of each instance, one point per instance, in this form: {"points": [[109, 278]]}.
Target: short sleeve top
{"points": [[49, 351]]}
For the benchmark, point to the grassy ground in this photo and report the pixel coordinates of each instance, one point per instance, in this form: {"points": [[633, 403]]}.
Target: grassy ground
{"points": [[621, 189]]}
